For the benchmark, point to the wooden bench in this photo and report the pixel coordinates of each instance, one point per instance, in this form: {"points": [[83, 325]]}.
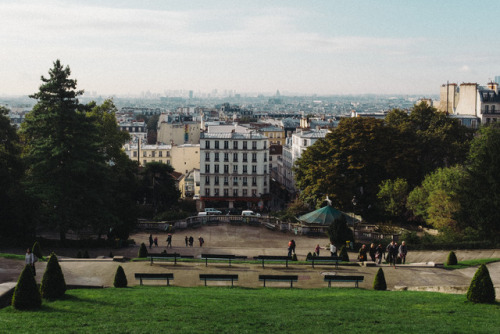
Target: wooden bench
{"points": [[337, 278], [168, 257], [264, 258], [325, 259], [154, 276], [227, 257], [279, 278], [218, 277]]}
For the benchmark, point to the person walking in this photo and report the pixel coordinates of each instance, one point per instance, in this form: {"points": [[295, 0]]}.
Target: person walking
{"points": [[379, 253], [186, 240], [362, 253], [30, 260], [191, 241], [156, 241], [316, 250], [403, 250], [293, 246], [290, 248], [150, 241], [372, 252], [200, 239], [333, 250], [169, 240], [393, 253]]}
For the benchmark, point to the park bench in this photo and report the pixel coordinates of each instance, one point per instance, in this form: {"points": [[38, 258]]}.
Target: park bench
{"points": [[227, 257], [325, 259], [279, 278], [338, 278], [154, 276], [264, 258], [168, 257], [218, 277]]}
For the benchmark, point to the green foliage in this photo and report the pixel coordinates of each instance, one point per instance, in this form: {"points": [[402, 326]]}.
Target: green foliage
{"points": [[481, 289], [143, 251], [120, 278], [343, 254], [37, 250], [338, 232], [171, 215], [379, 281], [393, 195], [53, 284], [164, 194], [26, 294], [451, 260]]}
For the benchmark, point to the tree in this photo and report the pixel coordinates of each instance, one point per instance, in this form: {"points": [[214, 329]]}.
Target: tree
{"points": [[53, 284], [120, 278], [481, 289], [26, 294], [158, 186], [62, 149], [338, 232], [393, 195], [481, 192], [451, 260], [379, 282]]}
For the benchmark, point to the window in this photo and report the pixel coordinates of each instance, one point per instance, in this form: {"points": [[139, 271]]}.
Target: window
{"points": [[207, 144], [207, 179], [235, 157], [254, 192], [254, 157], [226, 144], [135, 154], [216, 180], [245, 169], [216, 144], [486, 109], [244, 145], [245, 157], [265, 145], [265, 169], [226, 169], [245, 192], [160, 154], [216, 158], [226, 180], [168, 153], [144, 154], [254, 145], [235, 168], [245, 180], [207, 156], [216, 168], [216, 191], [265, 157], [254, 181], [235, 145], [207, 192], [235, 192], [493, 109], [207, 168], [254, 169], [226, 192], [226, 156], [153, 154], [235, 181]]}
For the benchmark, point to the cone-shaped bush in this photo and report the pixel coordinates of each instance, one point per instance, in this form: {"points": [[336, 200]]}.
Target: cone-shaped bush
{"points": [[53, 283], [309, 256], [120, 278], [143, 251], [481, 288], [37, 250], [379, 281], [343, 254], [26, 295], [294, 257], [452, 259]]}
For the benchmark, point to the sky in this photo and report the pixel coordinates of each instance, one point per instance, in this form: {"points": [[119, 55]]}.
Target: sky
{"points": [[325, 47]]}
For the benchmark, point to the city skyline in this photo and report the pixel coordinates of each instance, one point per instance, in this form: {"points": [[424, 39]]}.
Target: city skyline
{"points": [[314, 47]]}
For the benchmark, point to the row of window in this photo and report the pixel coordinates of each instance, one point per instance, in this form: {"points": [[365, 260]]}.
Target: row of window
{"points": [[489, 109], [144, 162], [235, 192], [235, 169], [235, 157], [235, 180], [153, 154], [236, 144]]}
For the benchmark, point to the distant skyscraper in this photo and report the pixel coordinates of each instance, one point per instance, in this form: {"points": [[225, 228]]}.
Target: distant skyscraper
{"points": [[497, 79]]}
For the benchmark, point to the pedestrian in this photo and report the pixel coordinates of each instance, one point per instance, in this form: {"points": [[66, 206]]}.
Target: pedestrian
{"points": [[30, 260], [200, 239], [372, 252], [293, 246], [393, 253], [156, 241], [316, 250], [169, 240], [150, 241], [290, 248], [333, 250], [186, 239], [379, 253], [403, 250], [191, 241], [362, 253]]}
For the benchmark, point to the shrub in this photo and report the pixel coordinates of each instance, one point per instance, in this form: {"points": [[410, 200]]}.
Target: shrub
{"points": [[481, 288], [120, 278], [452, 259], [143, 251], [309, 256], [379, 281], [343, 254], [53, 283], [36, 250], [26, 294], [86, 255]]}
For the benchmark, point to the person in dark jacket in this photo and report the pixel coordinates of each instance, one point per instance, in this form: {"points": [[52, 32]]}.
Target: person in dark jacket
{"points": [[379, 253], [403, 250], [393, 253], [372, 251], [362, 253]]}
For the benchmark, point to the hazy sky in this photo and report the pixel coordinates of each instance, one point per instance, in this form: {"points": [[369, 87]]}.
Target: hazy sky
{"points": [[323, 47]]}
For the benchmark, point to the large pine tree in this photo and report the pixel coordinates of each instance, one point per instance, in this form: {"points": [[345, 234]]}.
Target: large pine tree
{"points": [[66, 170]]}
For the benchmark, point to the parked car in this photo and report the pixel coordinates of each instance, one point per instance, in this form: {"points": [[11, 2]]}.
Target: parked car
{"points": [[212, 211], [249, 213]]}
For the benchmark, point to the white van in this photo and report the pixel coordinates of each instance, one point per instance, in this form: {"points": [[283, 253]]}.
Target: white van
{"points": [[212, 211], [249, 213], [202, 214]]}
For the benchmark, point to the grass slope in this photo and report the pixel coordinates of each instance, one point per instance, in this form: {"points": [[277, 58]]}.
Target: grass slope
{"points": [[471, 263], [240, 310]]}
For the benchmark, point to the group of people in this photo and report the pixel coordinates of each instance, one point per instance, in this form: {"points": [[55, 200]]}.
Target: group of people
{"points": [[190, 241], [378, 252], [153, 241]]}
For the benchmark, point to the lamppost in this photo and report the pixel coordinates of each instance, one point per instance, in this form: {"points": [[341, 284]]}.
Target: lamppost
{"points": [[354, 203]]}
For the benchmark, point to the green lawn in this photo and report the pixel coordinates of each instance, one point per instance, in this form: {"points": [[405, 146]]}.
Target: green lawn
{"points": [[471, 263], [240, 310]]}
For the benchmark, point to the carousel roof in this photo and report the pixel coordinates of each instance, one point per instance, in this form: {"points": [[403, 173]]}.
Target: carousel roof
{"points": [[324, 216]]}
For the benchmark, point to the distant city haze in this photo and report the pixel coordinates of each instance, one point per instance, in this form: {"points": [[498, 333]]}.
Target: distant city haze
{"points": [[168, 48]]}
